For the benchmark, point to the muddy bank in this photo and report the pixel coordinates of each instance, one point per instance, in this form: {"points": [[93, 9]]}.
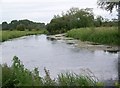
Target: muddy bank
{"points": [[85, 44]]}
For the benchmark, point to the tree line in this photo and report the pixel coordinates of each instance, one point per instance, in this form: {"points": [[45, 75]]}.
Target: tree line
{"points": [[22, 25], [73, 18], [77, 18]]}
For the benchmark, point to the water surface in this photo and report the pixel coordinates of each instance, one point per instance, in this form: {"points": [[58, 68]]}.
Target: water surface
{"points": [[57, 56]]}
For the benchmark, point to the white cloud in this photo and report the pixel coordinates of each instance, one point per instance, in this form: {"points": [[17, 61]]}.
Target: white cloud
{"points": [[38, 1], [43, 10]]}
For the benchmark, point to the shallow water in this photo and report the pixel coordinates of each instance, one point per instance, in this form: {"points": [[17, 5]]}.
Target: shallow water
{"points": [[57, 56]]}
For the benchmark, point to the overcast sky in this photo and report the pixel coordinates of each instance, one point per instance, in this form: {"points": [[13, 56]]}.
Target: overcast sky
{"points": [[44, 10]]}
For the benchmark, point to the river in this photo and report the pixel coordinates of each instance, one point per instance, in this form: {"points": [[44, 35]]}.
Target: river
{"points": [[58, 56]]}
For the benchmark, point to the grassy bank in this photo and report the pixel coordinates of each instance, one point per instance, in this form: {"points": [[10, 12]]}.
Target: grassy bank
{"points": [[18, 75], [102, 35], [6, 35]]}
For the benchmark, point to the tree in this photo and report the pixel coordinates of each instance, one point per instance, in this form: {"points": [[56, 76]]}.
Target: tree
{"points": [[13, 24], [0, 26], [29, 25], [109, 6], [5, 26], [73, 18], [20, 27], [98, 21]]}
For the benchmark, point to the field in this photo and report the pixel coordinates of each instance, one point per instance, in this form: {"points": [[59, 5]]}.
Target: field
{"points": [[6, 35], [102, 35]]}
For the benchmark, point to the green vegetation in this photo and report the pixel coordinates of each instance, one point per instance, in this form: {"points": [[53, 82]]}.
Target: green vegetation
{"points": [[18, 75], [78, 18], [6, 35], [103, 35], [22, 25], [16, 29], [73, 18]]}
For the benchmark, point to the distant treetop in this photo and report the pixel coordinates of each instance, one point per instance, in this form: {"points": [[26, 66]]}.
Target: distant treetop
{"points": [[22, 25]]}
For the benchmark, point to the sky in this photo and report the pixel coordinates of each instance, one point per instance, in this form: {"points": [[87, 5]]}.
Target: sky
{"points": [[44, 10]]}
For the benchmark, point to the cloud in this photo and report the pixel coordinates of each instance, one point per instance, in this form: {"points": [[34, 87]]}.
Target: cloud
{"points": [[43, 10]]}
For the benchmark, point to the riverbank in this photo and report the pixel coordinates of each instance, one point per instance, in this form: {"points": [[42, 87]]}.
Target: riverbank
{"points": [[6, 35], [100, 35], [84, 44]]}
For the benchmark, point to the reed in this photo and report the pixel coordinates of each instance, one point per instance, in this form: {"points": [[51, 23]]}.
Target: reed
{"points": [[102, 35]]}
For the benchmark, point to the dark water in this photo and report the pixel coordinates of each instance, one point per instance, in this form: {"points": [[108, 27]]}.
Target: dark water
{"points": [[57, 56]]}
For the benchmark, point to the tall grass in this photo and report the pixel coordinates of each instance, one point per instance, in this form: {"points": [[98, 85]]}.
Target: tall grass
{"points": [[103, 35], [72, 79], [18, 75], [6, 35]]}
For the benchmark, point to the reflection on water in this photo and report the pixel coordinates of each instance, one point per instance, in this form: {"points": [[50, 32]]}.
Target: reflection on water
{"points": [[57, 56]]}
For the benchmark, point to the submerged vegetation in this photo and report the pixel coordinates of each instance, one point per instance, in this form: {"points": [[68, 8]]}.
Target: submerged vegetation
{"points": [[20, 76], [6, 35], [103, 35]]}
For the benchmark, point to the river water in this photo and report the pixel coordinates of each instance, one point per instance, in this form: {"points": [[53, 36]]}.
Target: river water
{"points": [[58, 56]]}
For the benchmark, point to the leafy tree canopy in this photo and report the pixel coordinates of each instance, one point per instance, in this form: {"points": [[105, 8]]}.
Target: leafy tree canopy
{"points": [[22, 25], [107, 4]]}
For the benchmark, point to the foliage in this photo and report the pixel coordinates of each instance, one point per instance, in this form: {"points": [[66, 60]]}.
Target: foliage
{"points": [[98, 21], [5, 26], [73, 18], [6, 35], [108, 23], [20, 76], [70, 79], [77, 18], [22, 25], [106, 4], [103, 35], [117, 84]]}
